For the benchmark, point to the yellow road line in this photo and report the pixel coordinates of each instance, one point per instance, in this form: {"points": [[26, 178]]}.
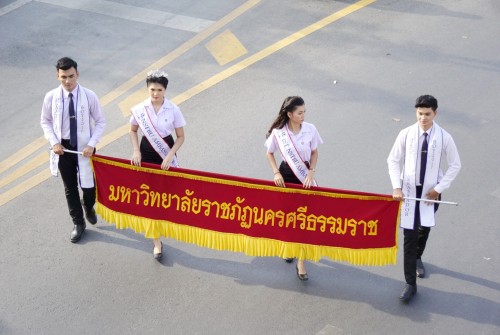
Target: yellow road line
{"points": [[120, 90], [138, 78], [226, 47], [40, 159], [26, 185], [22, 154], [39, 143], [270, 50], [114, 135]]}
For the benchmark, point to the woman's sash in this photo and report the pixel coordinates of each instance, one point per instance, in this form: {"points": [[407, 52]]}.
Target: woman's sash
{"points": [[143, 118], [431, 175], [291, 155], [84, 132]]}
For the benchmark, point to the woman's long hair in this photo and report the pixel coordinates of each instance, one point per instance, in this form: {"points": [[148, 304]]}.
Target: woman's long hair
{"points": [[289, 105]]}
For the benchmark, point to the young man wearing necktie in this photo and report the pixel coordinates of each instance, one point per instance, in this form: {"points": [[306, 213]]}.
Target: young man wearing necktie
{"points": [[419, 149], [72, 119]]}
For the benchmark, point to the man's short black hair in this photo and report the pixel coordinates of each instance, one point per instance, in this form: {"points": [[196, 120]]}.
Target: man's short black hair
{"points": [[66, 63], [426, 101]]}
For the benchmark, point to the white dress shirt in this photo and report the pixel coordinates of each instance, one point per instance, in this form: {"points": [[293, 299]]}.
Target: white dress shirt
{"points": [[449, 150], [95, 111]]}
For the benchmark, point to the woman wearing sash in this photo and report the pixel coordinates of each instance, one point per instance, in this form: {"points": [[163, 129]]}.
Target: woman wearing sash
{"points": [[158, 118], [297, 142]]}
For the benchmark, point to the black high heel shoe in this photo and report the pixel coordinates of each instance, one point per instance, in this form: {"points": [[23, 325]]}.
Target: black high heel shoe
{"points": [[302, 276], [288, 260], [158, 255]]}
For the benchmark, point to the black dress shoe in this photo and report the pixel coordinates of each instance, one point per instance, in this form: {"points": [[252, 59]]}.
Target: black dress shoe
{"points": [[302, 276], [77, 232], [408, 292], [288, 260], [90, 215], [420, 269]]}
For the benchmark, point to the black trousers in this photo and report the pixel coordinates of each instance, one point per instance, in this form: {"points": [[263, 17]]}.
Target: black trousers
{"points": [[68, 167], [415, 241]]}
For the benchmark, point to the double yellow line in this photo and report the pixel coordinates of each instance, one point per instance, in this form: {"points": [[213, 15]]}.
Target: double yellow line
{"points": [[129, 84]]}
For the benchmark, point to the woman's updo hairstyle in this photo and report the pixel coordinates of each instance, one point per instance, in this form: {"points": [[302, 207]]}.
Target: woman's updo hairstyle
{"points": [[158, 77]]}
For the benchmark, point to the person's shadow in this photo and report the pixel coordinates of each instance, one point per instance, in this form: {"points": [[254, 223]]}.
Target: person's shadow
{"points": [[102, 233], [328, 279]]}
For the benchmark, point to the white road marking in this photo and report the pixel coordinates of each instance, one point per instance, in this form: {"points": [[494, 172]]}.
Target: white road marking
{"points": [[133, 13], [13, 6], [330, 330]]}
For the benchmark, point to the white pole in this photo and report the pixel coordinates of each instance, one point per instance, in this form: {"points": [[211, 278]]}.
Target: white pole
{"points": [[433, 201], [73, 152]]}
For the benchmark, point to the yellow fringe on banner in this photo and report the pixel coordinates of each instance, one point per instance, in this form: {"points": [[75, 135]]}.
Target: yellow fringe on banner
{"points": [[251, 246]]}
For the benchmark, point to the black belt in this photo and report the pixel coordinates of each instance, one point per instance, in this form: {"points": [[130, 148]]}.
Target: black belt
{"points": [[66, 143]]}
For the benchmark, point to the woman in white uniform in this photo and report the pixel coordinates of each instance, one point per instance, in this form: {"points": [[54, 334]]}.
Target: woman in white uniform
{"points": [[301, 140], [158, 118]]}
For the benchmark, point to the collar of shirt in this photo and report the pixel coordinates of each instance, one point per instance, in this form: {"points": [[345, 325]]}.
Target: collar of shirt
{"points": [[166, 105], [421, 131], [304, 129], [66, 93]]}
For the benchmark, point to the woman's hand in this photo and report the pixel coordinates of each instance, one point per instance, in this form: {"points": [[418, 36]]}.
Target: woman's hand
{"points": [[309, 179], [136, 158], [165, 165], [278, 180]]}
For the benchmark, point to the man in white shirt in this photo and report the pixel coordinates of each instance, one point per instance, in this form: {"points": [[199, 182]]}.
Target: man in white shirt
{"points": [[420, 149], [72, 119]]}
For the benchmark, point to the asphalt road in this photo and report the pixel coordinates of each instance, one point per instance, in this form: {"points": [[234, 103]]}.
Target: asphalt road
{"points": [[359, 75]]}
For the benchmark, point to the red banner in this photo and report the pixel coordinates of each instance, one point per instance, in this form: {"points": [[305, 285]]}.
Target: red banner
{"points": [[247, 215]]}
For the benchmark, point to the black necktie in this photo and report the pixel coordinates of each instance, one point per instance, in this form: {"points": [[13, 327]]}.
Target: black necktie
{"points": [[72, 122], [423, 159]]}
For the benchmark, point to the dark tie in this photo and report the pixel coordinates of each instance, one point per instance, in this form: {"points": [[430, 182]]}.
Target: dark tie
{"points": [[72, 122], [423, 159]]}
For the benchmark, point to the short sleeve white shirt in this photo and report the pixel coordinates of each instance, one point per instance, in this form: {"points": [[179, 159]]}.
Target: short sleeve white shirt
{"points": [[307, 140], [166, 120]]}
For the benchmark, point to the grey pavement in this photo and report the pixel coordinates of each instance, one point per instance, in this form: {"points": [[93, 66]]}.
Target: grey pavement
{"points": [[359, 77]]}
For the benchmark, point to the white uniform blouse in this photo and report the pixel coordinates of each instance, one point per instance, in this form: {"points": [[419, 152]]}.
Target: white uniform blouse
{"points": [[166, 120], [307, 140]]}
